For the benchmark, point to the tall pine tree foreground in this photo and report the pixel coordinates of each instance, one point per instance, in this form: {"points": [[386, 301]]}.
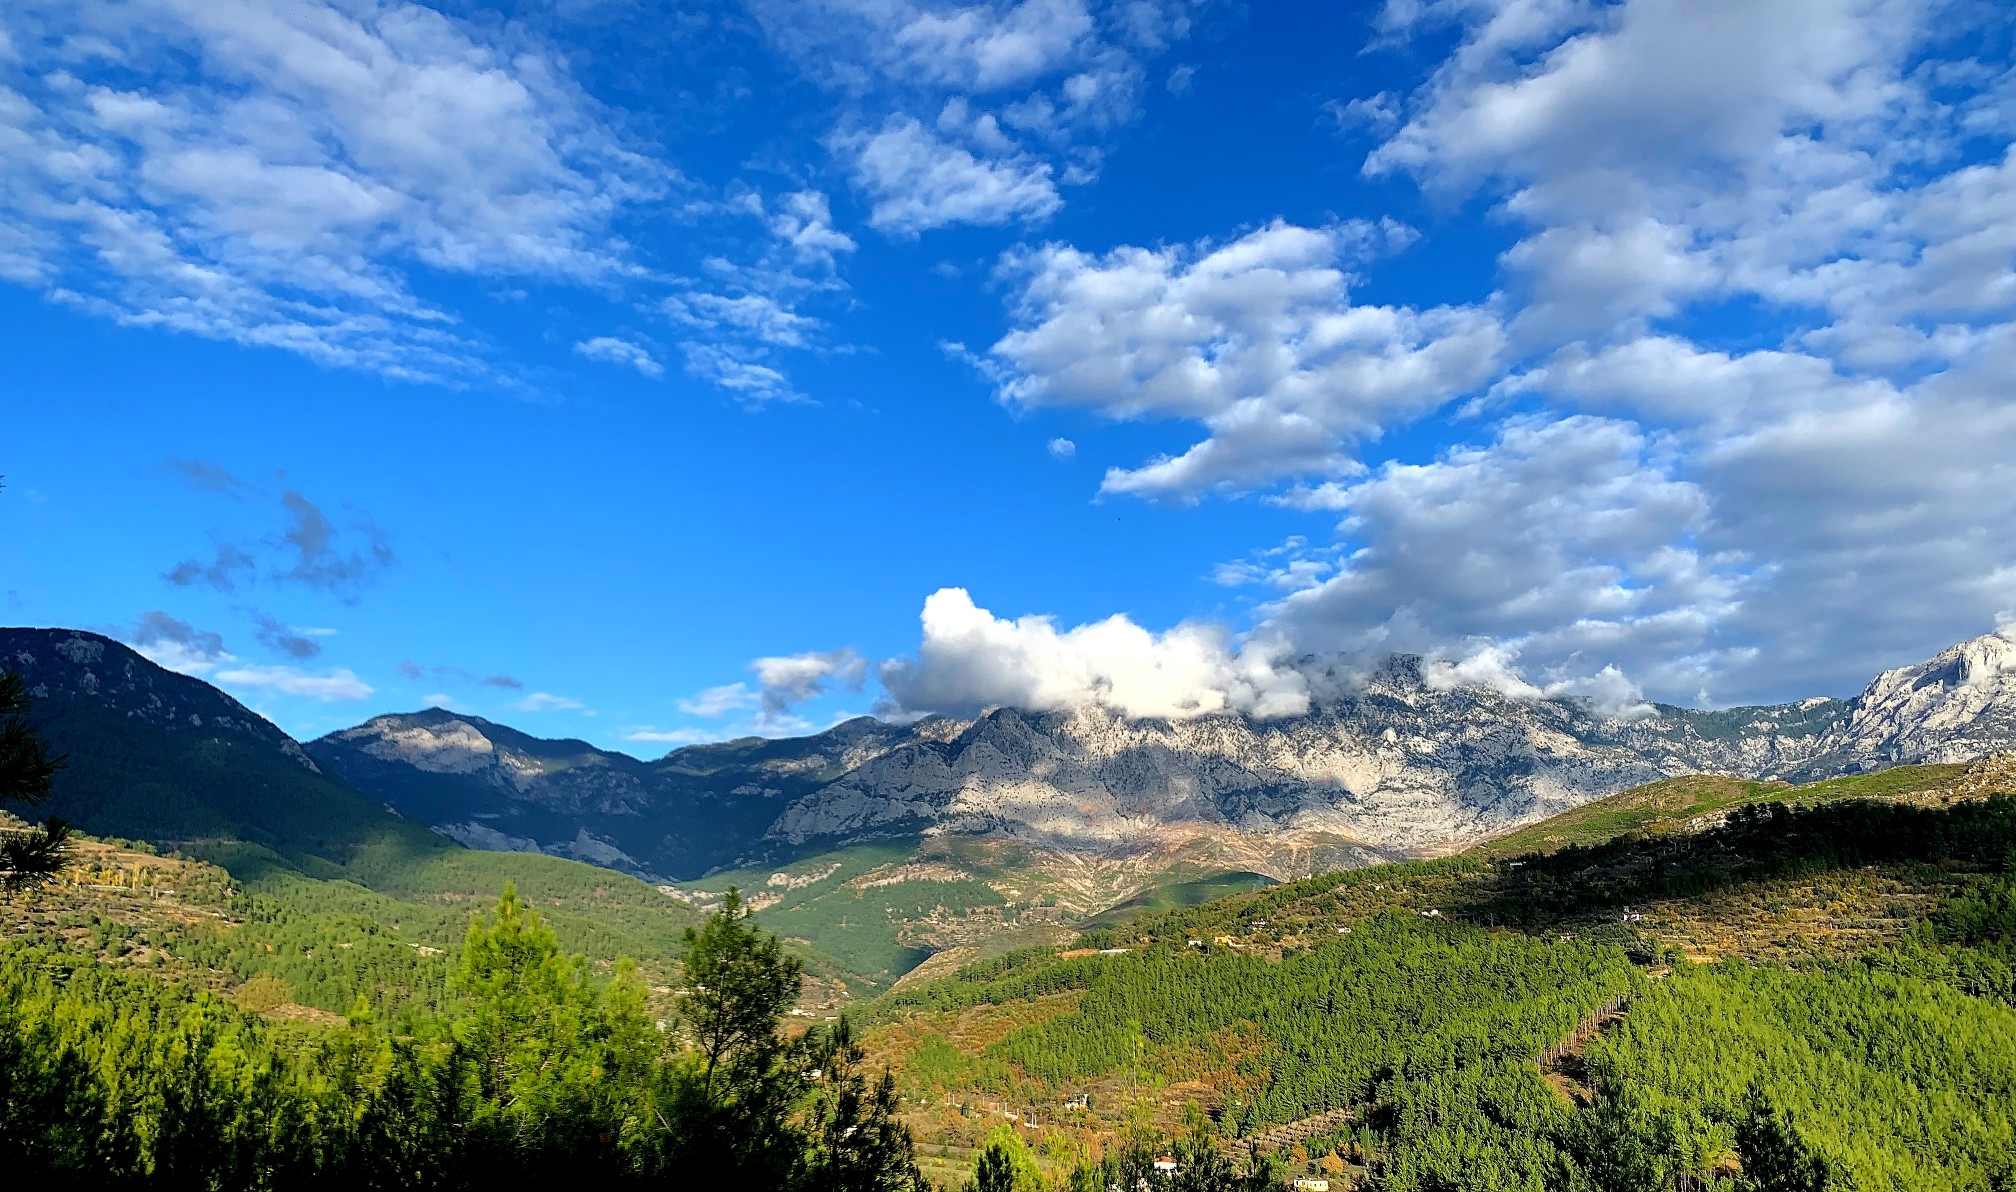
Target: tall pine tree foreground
{"points": [[738, 1104], [28, 857]]}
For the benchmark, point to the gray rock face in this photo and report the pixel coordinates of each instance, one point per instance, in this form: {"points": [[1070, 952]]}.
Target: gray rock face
{"points": [[1397, 765], [491, 786], [1956, 707]]}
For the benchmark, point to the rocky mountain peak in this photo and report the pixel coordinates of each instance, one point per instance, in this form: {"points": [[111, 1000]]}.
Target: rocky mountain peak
{"points": [[1390, 760], [1956, 706], [73, 666]]}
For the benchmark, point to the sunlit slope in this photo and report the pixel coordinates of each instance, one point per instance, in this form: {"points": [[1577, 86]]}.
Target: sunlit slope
{"points": [[1668, 805], [1864, 990]]}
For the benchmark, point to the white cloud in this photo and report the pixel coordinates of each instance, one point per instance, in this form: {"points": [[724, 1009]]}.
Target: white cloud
{"points": [[804, 221], [741, 320], [1257, 339], [918, 181], [970, 659], [755, 316], [546, 701], [719, 701], [731, 367], [338, 684], [789, 680], [974, 112], [861, 45], [983, 47], [611, 350], [1061, 449], [1568, 543], [287, 167], [1810, 481], [442, 700], [645, 734]]}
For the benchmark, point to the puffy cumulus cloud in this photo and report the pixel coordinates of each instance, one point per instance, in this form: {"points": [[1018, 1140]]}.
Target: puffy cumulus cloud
{"points": [[279, 173], [860, 44], [1739, 413], [1290, 567], [610, 350], [1567, 544], [760, 317], [1871, 512], [804, 221], [917, 181], [1061, 449], [783, 683], [337, 685], [983, 47], [1494, 665], [1663, 151], [969, 659], [786, 681], [1256, 339], [179, 646]]}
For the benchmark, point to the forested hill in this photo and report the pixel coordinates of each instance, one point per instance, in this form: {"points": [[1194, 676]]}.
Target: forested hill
{"points": [[1759, 996], [160, 756]]}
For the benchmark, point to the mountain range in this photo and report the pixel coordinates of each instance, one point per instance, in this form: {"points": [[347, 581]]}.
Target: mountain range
{"points": [[1394, 763]]}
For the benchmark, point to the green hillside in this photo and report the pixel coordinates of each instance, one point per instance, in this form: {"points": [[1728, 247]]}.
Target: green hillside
{"points": [[180, 789], [1664, 806], [1493, 1022], [384, 934]]}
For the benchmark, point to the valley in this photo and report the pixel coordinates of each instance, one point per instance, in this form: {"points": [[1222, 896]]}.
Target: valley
{"points": [[1653, 988]]}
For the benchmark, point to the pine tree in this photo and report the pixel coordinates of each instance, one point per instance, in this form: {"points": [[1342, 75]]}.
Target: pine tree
{"points": [[727, 1103], [855, 1141], [27, 858]]}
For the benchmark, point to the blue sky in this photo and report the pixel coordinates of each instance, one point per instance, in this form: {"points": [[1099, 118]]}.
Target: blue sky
{"points": [[653, 374]]}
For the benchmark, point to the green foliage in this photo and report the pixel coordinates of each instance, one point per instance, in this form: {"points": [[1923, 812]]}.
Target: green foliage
{"points": [[184, 788], [1894, 1069], [855, 1140], [30, 857], [740, 983], [1665, 805], [1200, 1166], [1884, 1081], [1181, 894], [866, 928], [1005, 1164], [536, 1075]]}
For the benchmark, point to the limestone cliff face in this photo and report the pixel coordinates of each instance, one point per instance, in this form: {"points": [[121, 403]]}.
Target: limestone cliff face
{"points": [[1394, 764], [1955, 707], [1397, 765]]}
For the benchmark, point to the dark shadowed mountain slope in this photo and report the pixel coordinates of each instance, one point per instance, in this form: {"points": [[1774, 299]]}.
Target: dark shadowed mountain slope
{"points": [[164, 757], [491, 786]]}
